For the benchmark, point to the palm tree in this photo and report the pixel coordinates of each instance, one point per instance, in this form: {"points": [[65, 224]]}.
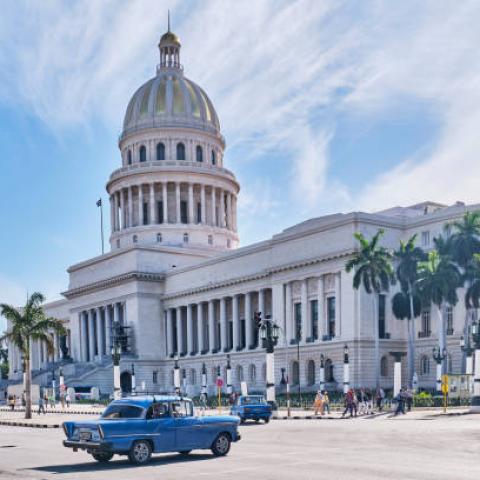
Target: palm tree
{"points": [[465, 245], [406, 303], [438, 280], [472, 294], [30, 324], [373, 269]]}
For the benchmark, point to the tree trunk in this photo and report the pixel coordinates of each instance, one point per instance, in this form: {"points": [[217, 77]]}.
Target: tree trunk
{"points": [[28, 385], [411, 340], [441, 333], [377, 342]]}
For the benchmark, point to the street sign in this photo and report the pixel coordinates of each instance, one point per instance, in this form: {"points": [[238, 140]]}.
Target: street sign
{"points": [[219, 383]]}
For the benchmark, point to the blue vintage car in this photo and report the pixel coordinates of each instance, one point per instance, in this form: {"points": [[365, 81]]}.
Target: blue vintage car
{"points": [[251, 407], [140, 426]]}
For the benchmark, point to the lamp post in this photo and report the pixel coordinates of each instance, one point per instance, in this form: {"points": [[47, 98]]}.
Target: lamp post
{"points": [[322, 372], [229, 376], [346, 370], [397, 372], [116, 353], [53, 378], [467, 349], [204, 379], [439, 356], [61, 382], [298, 338], [176, 375], [134, 383], [475, 332], [269, 335]]}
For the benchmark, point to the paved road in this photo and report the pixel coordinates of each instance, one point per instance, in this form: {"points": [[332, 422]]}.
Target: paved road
{"points": [[413, 447]]}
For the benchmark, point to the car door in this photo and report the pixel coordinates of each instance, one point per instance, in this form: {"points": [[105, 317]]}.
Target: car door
{"points": [[190, 430], [160, 426]]}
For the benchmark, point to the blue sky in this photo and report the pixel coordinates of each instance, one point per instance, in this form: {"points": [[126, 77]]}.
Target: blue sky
{"points": [[326, 106]]}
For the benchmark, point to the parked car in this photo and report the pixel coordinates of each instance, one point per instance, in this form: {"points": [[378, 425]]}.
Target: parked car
{"points": [[251, 407], [140, 426]]}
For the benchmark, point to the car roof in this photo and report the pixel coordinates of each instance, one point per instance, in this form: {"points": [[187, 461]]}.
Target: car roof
{"points": [[147, 400]]}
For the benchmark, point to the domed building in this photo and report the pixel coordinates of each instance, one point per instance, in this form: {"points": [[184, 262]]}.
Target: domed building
{"points": [[175, 293]]}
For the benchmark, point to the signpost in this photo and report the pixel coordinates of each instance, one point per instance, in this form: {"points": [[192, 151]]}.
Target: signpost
{"points": [[219, 389], [445, 392]]}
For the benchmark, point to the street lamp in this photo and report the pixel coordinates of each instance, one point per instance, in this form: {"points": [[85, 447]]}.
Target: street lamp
{"points": [[204, 379], [229, 376], [322, 372], [439, 356], [468, 350], [298, 338], [346, 370], [176, 375], [134, 383], [116, 352], [269, 335], [476, 377]]}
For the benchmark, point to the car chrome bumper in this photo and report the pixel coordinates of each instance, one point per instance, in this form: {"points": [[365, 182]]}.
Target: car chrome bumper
{"points": [[93, 446]]}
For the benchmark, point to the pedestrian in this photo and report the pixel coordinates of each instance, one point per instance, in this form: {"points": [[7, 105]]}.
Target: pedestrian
{"points": [[379, 396], [318, 403], [400, 398], [68, 399], [409, 399], [11, 402], [369, 400], [326, 402], [45, 400], [362, 399], [62, 400], [203, 403], [51, 399], [41, 405], [349, 404]]}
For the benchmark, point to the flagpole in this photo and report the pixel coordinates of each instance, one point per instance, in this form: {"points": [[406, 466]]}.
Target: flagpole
{"points": [[100, 204]]}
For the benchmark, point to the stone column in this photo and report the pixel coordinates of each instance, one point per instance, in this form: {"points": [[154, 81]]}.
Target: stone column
{"points": [[83, 336], [108, 327], [306, 328], [113, 226], [223, 324], [140, 205], [91, 336], [191, 218], [288, 312], [56, 356], [211, 326], [169, 332], [222, 209], [180, 345], [123, 213], [100, 332], [338, 303], [214, 207], [229, 211], [189, 330], [116, 313], [236, 323], [248, 320], [130, 207], [177, 202], [152, 204], [322, 330], [117, 210], [234, 213], [165, 201], [200, 328], [202, 203]]}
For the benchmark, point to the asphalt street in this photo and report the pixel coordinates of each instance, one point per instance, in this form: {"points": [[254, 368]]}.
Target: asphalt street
{"points": [[412, 447]]}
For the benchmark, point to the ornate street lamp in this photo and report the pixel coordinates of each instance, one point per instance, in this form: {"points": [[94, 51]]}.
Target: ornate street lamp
{"points": [[322, 372], [346, 370], [204, 379], [467, 348], [439, 356], [61, 382], [116, 352], [475, 333], [176, 375], [229, 376], [269, 335]]}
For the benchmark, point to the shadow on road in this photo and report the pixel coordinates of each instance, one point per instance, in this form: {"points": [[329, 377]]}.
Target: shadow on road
{"points": [[121, 464]]}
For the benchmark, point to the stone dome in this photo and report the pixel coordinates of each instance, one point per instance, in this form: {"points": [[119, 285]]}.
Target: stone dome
{"points": [[170, 100]]}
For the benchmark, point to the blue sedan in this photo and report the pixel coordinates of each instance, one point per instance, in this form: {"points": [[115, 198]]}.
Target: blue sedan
{"points": [[140, 426], [251, 407]]}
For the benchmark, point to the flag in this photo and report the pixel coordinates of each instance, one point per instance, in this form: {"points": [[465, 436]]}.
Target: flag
{"points": [[99, 202]]}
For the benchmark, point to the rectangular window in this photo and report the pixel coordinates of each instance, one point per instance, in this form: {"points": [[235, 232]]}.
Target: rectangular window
{"points": [[160, 212], [425, 323], [449, 318], [243, 335], [381, 316], [425, 238], [145, 213], [155, 377], [331, 316], [298, 321], [183, 212], [230, 335], [314, 318], [199, 212]]}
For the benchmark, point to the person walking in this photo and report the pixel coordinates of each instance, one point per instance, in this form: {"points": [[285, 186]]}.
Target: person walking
{"points": [[349, 403], [41, 405], [326, 402], [318, 403], [400, 398], [379, 397], [369, 401], [11, 402], [68, 399], [409, 399]]}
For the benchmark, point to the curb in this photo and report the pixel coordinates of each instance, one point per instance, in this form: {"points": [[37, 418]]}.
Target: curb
{"points": [[74, 412], [31, 425]]}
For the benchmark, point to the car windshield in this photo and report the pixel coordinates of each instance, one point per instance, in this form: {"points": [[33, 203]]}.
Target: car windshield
{"points": [[182, 408], [114, 411], [252, 400]]}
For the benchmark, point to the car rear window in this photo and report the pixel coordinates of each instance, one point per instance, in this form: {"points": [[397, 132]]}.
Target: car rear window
{"points": [[252, 400], [122, 411]]}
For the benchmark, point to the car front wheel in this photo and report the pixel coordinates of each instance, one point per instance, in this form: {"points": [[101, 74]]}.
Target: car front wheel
{"points": [[266, 419], [140, 452], [221, 445], [102, 457]]}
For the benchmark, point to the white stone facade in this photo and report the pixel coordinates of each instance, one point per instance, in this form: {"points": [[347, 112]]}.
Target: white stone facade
{"points": [[176, 280]]}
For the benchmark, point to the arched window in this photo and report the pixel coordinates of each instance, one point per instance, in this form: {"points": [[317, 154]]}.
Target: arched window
{"points": [[143, 154], [329, 371], [311, 372], [185, 238], [425, 365], [135, 239], [129, 157], [160, 151], [384, 366], [214, 158], [252, 370], [199, 154], [240, 373], [295, 373], [180, 151], [159, 237]]}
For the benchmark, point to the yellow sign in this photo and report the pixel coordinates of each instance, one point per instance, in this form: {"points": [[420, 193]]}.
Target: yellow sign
{"points": [[445, 384]]}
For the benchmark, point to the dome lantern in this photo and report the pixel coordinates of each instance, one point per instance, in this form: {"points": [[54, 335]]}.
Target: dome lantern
{"points": [[169, 50]]}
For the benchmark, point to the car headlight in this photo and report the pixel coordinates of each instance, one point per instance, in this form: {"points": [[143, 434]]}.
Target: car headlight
{"points": [[96, 435], [101, 432]]}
